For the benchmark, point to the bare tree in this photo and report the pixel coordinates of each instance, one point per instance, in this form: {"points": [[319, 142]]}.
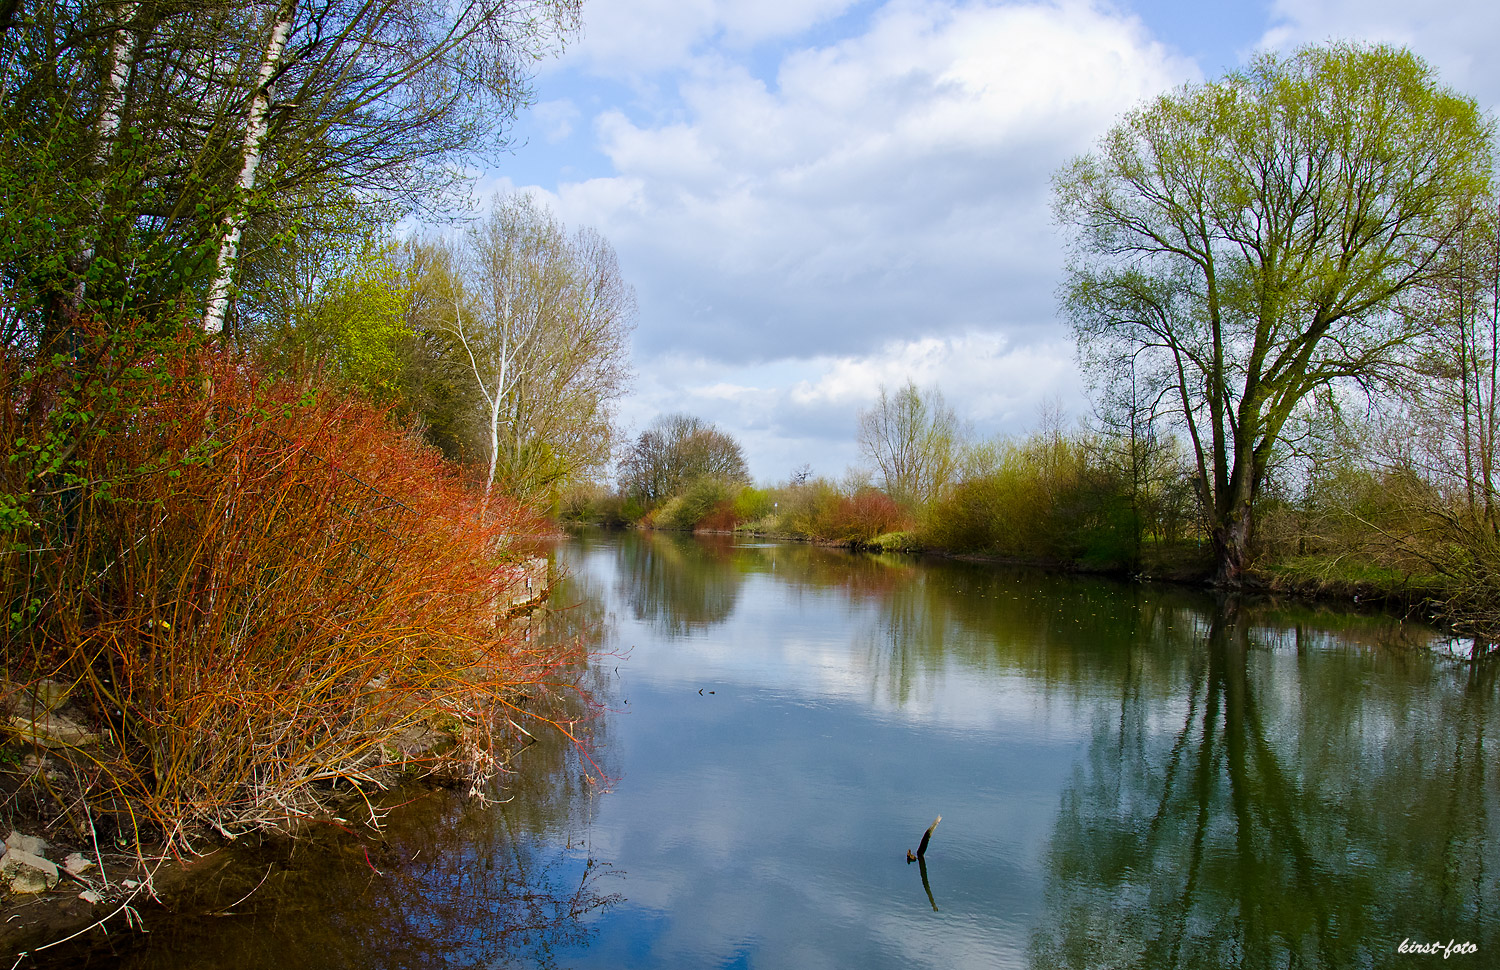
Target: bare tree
{"points": [[542, 320], [913, 438]]}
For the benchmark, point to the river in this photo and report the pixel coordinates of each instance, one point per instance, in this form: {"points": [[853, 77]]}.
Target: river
{"points": [[1128, 776]]}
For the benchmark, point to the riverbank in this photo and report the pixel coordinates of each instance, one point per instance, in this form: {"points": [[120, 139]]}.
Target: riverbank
{"points": [[1332, 581], [78, 860]]}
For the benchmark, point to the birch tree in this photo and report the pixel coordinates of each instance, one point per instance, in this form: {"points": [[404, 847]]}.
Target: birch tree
{"points": [[542, 322], [257, 126], [144, 141]]}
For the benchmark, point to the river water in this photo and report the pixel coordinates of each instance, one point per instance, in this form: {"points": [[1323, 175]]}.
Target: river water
{"points": [[1127, 776]]}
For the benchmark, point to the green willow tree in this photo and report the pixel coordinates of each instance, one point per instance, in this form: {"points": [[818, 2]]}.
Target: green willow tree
{"points": [[1242, 244]]}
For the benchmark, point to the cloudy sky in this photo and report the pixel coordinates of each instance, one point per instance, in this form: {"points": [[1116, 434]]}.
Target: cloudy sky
{"points": [[816, 197]]}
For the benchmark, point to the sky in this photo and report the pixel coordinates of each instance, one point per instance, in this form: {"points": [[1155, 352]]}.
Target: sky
{"points": [[817, 198]]}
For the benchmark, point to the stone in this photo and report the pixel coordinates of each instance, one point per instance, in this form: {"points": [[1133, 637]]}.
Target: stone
{"points": [[91, 897], [27, 873], [49, 694], [52, 731], [77, 864], [19, 841]]}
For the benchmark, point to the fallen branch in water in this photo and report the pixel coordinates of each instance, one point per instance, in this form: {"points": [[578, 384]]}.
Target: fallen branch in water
{"points": [[926, 837]]}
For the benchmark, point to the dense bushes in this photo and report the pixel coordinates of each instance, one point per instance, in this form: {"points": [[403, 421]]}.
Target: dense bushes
{"points": [[1050, 497], [250, 588]]}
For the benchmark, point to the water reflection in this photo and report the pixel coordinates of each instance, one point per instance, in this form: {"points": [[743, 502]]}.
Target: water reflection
{"points": [[1254, 784], [678, 585], [1128, 776], [446, 886], [1306, 811]]}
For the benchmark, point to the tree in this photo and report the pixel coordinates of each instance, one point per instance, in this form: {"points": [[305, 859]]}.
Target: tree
{"points": [[1456, 408], [542, 320], [913, 438], [142, 142], [675, 451], [1239, 245]]}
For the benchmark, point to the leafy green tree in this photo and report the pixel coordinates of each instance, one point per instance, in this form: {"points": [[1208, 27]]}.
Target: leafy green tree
{"points": [[1241, 244]]}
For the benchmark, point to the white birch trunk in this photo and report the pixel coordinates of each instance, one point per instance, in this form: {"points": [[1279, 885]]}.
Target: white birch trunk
{"points": [[257, 123], [111, 104]]}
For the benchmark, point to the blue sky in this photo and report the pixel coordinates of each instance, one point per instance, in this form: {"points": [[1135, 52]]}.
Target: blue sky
{"points": [[816, 197]]}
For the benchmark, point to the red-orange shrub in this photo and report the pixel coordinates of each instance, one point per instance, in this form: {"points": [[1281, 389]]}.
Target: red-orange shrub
{"points": [[254, 587], [859, 517]]}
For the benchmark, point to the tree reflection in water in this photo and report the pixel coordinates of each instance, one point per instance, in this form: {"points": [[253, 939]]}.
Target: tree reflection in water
{"points": [[1288, 820], [678, 585]]}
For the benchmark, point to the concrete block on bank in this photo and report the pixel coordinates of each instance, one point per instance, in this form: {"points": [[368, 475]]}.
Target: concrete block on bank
{"points": [[27, 873]]}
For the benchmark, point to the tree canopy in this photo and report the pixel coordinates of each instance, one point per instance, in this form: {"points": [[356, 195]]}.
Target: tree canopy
{"points": [[1241, 244], [538, 319], [140, 140], [675, 451], [913, 439]]}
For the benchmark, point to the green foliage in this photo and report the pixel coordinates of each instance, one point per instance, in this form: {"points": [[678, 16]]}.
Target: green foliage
{"points": [[362, 312], [751, 504], [1051, 497], [687, 510], [1241, 245]]}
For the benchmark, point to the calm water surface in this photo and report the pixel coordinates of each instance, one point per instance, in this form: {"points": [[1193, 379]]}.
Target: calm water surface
{"points": [[1127, 777]]}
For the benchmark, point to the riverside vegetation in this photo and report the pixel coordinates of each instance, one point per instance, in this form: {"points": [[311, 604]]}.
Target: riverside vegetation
{"points": [[258, 536], [1285, 290]]}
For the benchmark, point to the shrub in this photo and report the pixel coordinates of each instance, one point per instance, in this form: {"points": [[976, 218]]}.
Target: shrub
{"points": [[254, 588], [751, 504], [693, 506]]}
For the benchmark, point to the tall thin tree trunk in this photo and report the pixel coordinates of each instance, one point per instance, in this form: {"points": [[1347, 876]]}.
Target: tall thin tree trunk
{"points": [[111, 110], [257, 124]]}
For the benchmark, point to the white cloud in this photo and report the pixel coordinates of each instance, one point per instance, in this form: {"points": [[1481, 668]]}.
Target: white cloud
{"points": [[795, 410], [1455, 36], [890, 183], [556, 118], [636, 39]]}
